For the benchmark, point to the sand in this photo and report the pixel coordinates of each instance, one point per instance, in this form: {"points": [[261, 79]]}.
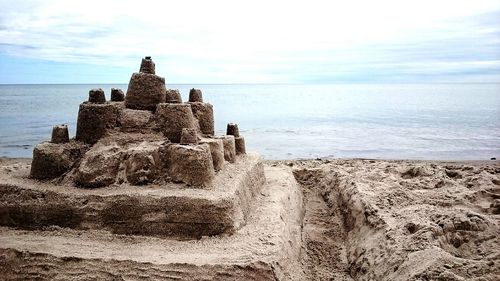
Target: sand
{"points": [[360, 220], [401, 220]]}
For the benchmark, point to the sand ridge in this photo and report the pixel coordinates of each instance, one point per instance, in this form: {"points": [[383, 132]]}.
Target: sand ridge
{"points": [[413, 220]]}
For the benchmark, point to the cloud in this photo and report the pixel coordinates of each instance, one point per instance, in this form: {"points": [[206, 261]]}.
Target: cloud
{"points": [[263, 41]]}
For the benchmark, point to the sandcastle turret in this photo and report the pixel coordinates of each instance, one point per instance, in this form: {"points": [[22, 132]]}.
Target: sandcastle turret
{"points": [[189, 136], [204, 112], [239, 142], [117, 95], [147, 66], [217, 151], [56, 157], [173, 96], [195, 95], [95, 117], [97, 96], [60, 134], [145, 89], [229, 148], [171, 118]]}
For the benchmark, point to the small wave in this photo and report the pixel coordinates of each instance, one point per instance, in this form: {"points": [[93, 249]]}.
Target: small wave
{"points": [[24, 146]]}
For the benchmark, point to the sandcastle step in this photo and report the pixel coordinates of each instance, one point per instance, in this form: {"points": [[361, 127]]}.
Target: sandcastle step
{"points": [[266, 248], [171, 210]]}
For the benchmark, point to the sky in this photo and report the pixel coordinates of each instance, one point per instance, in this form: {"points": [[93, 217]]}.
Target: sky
{"points": [[384, 41]]}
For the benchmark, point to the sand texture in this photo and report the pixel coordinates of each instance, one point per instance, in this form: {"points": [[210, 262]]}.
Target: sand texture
{"points": [[402, 220], [344, 220]]}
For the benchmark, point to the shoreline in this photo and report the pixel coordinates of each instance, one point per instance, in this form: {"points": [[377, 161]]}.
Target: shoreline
{"points": [[325, 160]]}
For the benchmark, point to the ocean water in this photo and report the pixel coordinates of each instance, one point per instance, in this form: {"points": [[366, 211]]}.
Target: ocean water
{"points": [[396, 121]]}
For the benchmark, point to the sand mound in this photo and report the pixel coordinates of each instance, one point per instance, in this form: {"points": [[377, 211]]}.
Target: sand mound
{"points": [[406, 220]]}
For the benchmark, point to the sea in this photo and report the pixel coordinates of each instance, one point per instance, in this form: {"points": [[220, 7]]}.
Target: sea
{"points": [[290, 121]]}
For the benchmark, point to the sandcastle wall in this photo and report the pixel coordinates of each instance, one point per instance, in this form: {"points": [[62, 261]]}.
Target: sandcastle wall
{"points": [[167, 210]]}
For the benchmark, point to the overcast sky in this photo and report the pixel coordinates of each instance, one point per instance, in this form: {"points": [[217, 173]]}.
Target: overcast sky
{"points": [[251, 41]]}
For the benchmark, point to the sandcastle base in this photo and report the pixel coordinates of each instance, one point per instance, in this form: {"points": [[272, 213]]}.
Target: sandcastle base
{"points": [[169, 210], [266, 248]]}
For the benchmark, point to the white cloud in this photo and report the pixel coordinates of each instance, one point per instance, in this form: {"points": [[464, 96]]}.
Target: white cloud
{"points": [[234, 41]]}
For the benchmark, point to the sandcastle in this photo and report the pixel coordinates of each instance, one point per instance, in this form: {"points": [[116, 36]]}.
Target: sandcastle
{"points": [[146, 172], [176, 140], [148, 137]]}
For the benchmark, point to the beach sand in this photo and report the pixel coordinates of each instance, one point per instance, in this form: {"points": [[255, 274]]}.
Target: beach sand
{"points": [[401, 220], [364, 220]]}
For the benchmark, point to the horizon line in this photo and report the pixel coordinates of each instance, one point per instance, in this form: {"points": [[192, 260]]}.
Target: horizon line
{"points": [[291, 83]]}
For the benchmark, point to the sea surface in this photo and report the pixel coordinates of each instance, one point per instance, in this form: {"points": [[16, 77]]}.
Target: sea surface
{"points": [[395, 121]]}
